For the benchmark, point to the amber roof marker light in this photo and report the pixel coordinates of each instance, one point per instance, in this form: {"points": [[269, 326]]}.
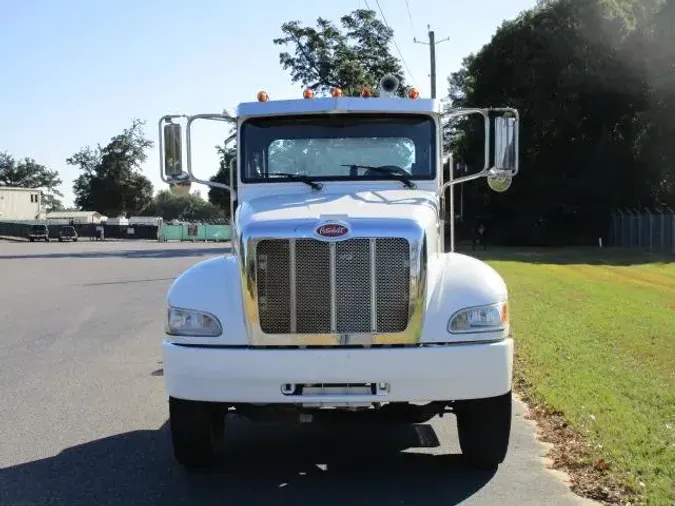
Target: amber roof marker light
{"points": [[336, 92], [262, 96], [308, 93], [413, 93], [366, 93]]}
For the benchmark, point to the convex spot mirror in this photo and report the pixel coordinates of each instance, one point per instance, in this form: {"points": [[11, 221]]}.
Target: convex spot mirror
{"points": [[180, 188], [173, 151], [499, 180]]}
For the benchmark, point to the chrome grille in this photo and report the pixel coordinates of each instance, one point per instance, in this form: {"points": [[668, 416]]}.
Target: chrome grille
{"points": [[352, 285], [312, 287], [309, 286], [393, 288], [273, 284]]}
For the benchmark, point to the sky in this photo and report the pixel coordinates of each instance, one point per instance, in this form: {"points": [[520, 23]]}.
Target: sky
{"points": [[77, 72]]}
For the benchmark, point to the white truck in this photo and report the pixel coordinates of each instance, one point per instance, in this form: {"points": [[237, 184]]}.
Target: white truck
{"points": [[340, 301]]}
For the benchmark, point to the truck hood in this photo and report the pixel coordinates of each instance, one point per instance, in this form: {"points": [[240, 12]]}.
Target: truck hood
{"points": [[417, 205]]}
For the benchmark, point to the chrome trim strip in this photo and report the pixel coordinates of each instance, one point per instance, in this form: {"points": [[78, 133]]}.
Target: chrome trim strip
{"points": [[333, 288], [373, 286], [292, 288], [414, 278]]}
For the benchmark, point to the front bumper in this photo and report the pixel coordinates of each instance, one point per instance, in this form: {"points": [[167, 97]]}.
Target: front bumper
{"points": [[421, 374]]}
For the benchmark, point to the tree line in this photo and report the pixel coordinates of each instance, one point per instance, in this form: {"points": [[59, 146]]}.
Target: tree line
{"points": [[111, 182], [594, 81]]}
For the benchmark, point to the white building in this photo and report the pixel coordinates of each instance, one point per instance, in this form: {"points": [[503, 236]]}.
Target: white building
{"points": [[145, 220], [75, 217], [120, 220], [20, 204]]}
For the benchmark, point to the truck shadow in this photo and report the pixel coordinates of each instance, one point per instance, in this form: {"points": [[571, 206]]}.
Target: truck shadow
{"points": [[263, 465]]}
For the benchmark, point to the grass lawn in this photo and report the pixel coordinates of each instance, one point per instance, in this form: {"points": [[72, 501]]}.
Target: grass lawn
{"points": [[595, 336]]}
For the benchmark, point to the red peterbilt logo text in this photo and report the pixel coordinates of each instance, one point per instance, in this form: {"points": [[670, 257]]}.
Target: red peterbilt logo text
{"points": [[332, 230]]}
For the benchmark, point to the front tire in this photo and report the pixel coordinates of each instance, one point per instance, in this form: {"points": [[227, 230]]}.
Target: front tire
{"points": [[197, 432], [484, 427]]}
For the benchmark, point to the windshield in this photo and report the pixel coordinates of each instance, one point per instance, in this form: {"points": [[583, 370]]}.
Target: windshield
{"points": [[338, 147]]}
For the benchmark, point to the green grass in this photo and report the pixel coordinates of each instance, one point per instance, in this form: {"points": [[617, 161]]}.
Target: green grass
{"points": [[595, 335]]}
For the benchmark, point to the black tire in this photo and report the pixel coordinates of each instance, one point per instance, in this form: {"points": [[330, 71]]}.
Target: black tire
{"points": [[197, 432], [484, 428]]}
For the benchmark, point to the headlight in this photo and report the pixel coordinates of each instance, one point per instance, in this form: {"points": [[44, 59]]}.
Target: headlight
{"points": [[188, 322], [492, 318]]}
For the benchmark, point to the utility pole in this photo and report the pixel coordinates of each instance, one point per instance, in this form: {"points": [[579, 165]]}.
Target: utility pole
{"points": [[432, 56]]}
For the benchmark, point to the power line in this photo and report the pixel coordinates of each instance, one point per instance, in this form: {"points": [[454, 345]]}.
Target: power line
{"points": [[393, 39], [412, 23]]}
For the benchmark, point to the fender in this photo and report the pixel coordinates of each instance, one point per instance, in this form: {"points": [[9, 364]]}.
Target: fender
{"points": [[212, 286], [455, 282]]}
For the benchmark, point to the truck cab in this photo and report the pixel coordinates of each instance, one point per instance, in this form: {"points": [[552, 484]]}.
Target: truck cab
{"points": [[340, 300]]}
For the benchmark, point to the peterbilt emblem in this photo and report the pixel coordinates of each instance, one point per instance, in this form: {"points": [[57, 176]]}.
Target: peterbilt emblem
{"points": [[332, 230]]}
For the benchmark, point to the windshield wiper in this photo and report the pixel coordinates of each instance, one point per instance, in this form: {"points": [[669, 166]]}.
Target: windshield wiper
{"points": [[298, 178], [387, 170]]}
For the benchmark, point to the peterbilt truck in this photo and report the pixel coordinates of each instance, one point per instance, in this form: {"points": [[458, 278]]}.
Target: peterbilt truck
{"points": [[341, 300]]}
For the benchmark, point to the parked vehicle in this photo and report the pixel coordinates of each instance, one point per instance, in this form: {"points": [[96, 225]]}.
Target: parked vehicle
{"points": [[67, 233], [38, 233], [339, 300]]}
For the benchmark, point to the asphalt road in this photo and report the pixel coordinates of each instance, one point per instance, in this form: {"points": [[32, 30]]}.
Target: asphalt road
{"points": [[83, 418]]}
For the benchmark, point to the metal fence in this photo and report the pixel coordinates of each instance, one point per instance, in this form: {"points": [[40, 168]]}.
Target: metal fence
{"points": [[194, 232], [92, 231], [87, 231], [644, 228]]}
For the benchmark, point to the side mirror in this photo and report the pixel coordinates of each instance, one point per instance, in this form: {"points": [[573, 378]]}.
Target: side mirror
{"points": [[505, 143], [500, 176], [173, 150]]}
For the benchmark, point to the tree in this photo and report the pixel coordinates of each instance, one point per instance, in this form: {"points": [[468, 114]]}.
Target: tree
{"points": [[352, 58], [111, 182], [27, 173], [228, 161], [190, 207], [653, 50], [563, 66]]}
